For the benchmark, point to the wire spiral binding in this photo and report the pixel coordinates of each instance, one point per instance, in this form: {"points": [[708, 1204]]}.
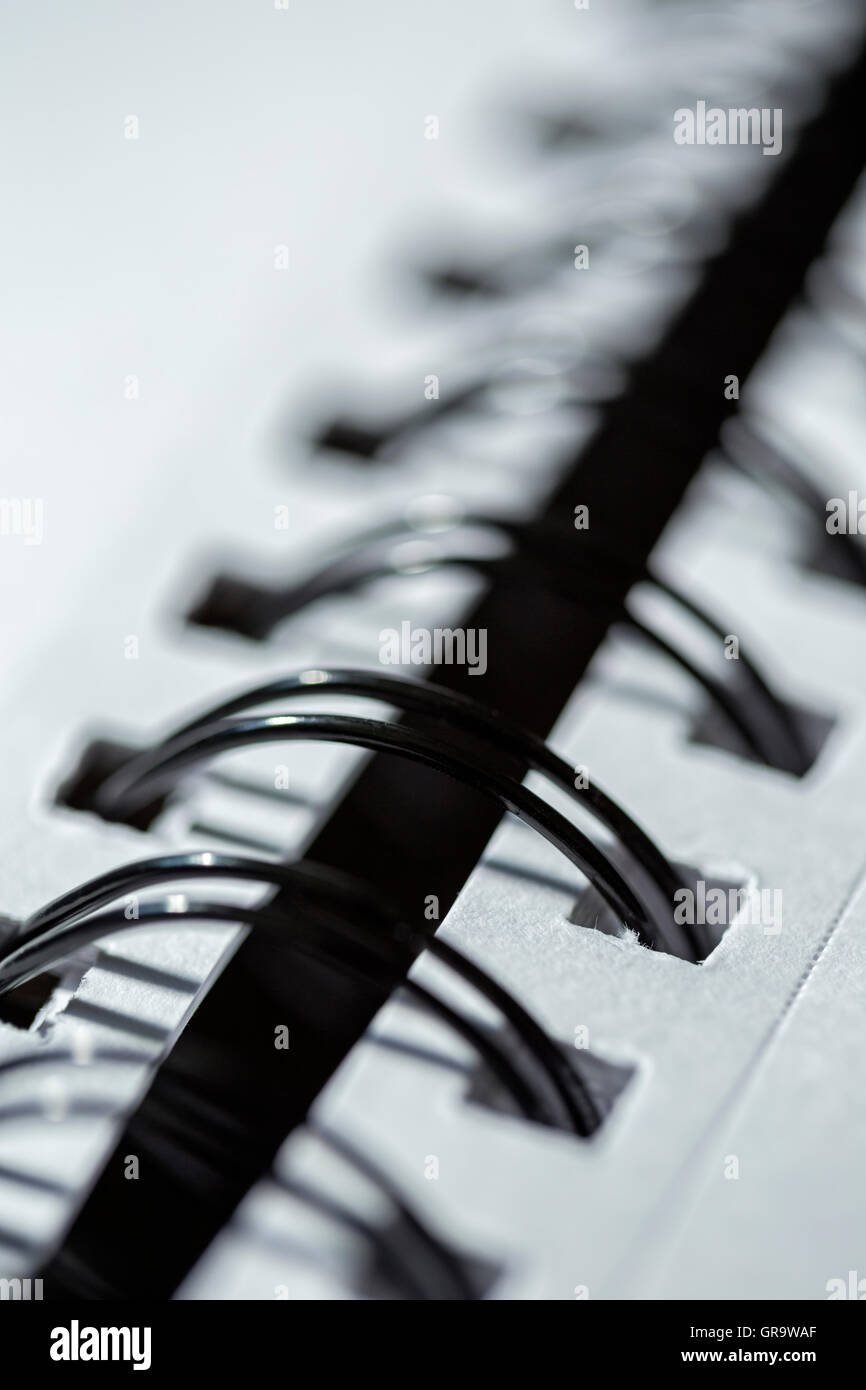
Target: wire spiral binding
{"points": [[537, 553], [448, 1279], [749, 452], [348, 919], [344, 909], [347, 911], [153, 771]]}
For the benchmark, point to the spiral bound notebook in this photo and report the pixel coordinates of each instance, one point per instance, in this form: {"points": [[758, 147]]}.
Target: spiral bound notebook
{"points": [[433, 575]]}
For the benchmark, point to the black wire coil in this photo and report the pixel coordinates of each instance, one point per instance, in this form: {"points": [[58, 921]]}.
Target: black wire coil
{"points": [[589, 572]]}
